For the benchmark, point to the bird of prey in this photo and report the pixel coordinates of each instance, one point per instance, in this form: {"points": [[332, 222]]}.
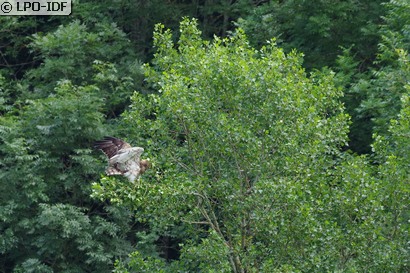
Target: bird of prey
{"points": [[123, 159]]}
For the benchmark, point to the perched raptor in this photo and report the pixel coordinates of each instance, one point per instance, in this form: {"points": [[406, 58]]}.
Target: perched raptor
{"points": [[123, 159]]}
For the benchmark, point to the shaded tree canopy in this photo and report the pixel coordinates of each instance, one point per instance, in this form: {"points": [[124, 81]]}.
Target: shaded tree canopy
{"points": [[277, 131]]}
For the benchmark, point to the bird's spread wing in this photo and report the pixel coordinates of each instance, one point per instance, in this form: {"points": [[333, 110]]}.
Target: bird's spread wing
{"points": [[122, 158], [125, 155], [113, 171], [111, 146]]}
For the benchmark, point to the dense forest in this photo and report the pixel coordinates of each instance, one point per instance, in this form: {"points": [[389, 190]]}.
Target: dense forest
{"points": [[278, 133]]}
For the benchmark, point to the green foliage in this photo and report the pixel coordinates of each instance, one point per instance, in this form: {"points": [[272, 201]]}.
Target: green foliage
{"points": [[115, 88], [137, 263], [52, 114], [45, 208], [98, 54], [317, 28], [247, 169], [395, 30], [383, 93], [348, 78], [373, 97], [247, 165], [388, 85], [69, 53], [15, 35], [247, 154], [33, 266], [392, 152]]}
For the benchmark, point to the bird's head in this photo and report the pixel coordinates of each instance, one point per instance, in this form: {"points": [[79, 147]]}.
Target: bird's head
{"points": [[144, 165]]}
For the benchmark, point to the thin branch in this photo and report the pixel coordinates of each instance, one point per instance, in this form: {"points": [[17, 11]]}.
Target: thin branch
{"points": [[212, 220]]}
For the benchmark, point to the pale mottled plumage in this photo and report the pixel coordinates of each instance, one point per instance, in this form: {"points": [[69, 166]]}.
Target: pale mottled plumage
{"points": [[122, 158]]}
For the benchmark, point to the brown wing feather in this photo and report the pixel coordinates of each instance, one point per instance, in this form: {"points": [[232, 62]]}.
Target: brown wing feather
{"points": [[111, 145]]}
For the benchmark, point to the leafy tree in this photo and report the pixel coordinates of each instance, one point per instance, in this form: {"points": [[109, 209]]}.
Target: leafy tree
{"points": [[51, 117], [48, 222], [98, 55], [15, 36], [391, 151], [317, 28], [246, 148], [373, 97], [348, 78], [69, 53], [386, 87], [248, 169], [137, 18]]}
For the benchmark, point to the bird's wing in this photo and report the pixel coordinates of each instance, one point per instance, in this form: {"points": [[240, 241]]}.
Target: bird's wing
{"points": [[111, 146], [125, 155], [113, 170], [123, 159]]}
